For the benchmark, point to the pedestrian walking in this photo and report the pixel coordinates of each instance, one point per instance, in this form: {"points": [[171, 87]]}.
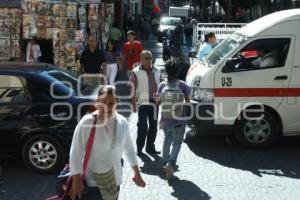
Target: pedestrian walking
{"points": [[146, 29], [144, 81], [131, 52], [113, 59], [139, 27], [116, 34], [130, 23], [155, 25], [176, 40], [172, 95], [92, 62], [188, 32], [111, 140]]}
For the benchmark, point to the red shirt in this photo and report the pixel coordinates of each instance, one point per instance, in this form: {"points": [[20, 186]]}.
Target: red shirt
{"points": [[132, 53]]}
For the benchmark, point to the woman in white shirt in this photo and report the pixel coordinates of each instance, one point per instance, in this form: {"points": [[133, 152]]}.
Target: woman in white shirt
{"points": [[112, 138]]}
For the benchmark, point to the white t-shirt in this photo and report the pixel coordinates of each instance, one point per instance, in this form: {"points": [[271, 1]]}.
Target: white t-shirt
{"points": [[103, 156]]}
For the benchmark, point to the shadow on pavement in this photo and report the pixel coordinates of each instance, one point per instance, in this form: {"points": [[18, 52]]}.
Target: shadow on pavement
{"points": [[152, 165], [184, 190], [281, 160], [21, 183]]}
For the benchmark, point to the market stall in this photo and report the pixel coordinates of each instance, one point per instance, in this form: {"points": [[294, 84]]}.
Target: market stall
{"points": [[10, 30], [60, 28]]}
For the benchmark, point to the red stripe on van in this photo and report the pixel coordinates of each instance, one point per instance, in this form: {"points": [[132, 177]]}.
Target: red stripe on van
{"points": [[257, 92]]}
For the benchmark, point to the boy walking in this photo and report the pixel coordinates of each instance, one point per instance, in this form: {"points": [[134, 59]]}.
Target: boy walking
{"points": [[172, 95]]}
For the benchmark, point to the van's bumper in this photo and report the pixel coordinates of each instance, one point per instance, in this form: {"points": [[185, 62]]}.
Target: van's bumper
{"points": [[203, 119]]}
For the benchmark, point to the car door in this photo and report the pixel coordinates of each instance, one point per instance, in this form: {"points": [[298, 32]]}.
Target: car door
{"points": [[244, 85], [14, 103], [290, 108]]}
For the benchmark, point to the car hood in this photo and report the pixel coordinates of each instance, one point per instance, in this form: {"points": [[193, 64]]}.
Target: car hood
{"points": [[195, 73], [166, 27]]}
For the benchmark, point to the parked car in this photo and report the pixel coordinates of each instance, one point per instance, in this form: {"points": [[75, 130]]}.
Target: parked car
{"points": [[167, 23], [39, 108], [248, 86]]}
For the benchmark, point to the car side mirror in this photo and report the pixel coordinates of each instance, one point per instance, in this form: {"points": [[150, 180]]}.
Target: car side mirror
{"points": [[192, 54], [229, 66]]}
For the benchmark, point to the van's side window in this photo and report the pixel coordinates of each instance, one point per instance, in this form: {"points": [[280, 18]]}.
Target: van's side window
{"points": [[262, 54]]}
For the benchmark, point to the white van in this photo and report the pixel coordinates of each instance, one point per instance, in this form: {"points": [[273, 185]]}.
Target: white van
{"points": [[249, 85]]}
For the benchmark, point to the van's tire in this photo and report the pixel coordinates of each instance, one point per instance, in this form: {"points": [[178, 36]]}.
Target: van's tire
{"points": [[44, 154], [263, 133]]}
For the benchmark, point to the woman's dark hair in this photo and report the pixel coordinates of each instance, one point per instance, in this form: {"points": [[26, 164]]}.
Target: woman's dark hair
{"points": [[113, 43], [208, 35], [171, 68], [107, 90]]}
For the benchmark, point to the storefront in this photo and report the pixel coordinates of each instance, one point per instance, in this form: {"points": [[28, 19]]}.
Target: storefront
{"points": [[10, 30], [60, 28]]}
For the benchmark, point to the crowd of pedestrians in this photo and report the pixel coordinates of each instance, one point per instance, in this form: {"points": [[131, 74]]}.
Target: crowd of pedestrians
{"points": [[149, 93]]}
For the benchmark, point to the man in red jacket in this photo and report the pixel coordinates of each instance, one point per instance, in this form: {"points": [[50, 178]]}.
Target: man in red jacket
{"points": [[131, 51]]}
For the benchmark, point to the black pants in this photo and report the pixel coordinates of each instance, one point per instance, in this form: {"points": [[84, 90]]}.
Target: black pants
{"points": [[147, 113]]}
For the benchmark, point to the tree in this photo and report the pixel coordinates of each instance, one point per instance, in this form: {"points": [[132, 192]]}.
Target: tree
{"points": [[177, 2], [231, 7], [266, 6]]}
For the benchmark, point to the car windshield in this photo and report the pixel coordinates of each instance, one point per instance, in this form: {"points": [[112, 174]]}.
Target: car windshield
{"points": [[169, 21], [224, 48], [70, 82]]}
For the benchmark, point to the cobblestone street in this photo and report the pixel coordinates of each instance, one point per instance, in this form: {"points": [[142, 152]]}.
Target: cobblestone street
{"points": [[209, 168]]}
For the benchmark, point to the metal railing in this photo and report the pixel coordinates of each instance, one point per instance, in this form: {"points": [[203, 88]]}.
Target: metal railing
{"points": [[222, 30]]}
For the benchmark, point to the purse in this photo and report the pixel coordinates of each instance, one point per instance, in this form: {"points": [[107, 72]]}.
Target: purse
{"points": [[107, 185], [64, 179]]}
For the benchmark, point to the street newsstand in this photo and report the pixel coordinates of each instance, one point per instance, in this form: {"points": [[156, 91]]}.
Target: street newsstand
{"points": [[10, 29], [58, 27]]}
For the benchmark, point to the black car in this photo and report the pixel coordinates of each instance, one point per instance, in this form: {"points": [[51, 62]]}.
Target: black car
{"points": [[166, 24], [40, 106]]}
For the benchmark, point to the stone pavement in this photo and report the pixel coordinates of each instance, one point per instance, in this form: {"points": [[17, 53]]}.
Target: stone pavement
{"points": [[209, 168]]}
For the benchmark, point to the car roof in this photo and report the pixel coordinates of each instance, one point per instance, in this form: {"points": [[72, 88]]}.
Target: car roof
{"points": [[26, 67], [267, 21], [177, 18]]}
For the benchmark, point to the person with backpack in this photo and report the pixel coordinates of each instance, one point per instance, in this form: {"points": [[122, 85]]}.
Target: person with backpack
{"points": [[172, 95]]}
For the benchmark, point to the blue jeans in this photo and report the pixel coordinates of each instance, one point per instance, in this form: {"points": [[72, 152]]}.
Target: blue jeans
{"points": [[93, 193], [173, 136]]}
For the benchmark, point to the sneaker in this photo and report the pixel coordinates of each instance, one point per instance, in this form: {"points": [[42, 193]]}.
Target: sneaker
{"points": [[169, 171]]}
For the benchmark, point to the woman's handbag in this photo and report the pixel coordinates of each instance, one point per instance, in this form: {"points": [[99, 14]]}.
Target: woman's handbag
{"points": [[107, 185], [64, 179]]}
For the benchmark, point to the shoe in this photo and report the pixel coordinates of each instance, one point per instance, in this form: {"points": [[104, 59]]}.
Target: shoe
{"points": [[169, 171], [152, 151]]}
